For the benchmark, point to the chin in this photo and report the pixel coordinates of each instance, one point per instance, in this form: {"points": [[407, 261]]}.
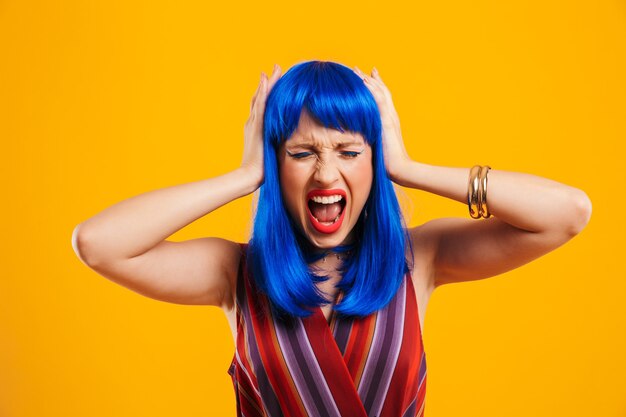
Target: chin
{"points": [[327, 240]]}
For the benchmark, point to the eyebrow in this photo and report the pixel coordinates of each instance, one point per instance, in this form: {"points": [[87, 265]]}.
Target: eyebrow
{"points": [[309, 145]]}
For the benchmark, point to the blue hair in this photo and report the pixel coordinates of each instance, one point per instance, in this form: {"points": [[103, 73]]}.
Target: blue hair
{"points": [[278, 255]]}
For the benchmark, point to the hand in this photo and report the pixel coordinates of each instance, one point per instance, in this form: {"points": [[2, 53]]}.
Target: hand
{"points": [[252, 160], [394, 152]]}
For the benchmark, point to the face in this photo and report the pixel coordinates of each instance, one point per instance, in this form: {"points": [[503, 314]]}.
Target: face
{"points": [[325, 178]]}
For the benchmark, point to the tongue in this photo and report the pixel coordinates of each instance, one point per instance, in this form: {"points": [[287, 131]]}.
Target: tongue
{"points": [[325, 212]]}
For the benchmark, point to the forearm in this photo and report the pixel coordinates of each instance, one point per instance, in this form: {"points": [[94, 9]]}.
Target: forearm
{"points": [[135, 225], [523, 200]]}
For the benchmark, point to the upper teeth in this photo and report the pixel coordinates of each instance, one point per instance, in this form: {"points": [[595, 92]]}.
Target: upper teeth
{"points": [[327, 199]]}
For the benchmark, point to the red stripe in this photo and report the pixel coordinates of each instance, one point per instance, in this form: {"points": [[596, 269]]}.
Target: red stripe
{"points": [[288, 385], [249, 403], [421, 392], [403, 387], [248, 382], [332, 365], [242, 334], [273, 361], [359, 344]]}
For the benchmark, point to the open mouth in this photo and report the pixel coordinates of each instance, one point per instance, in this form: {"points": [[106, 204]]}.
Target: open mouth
{"points": [[326, 209]]}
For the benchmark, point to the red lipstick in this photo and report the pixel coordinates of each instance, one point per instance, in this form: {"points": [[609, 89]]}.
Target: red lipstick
{"points": [[326, 228]]}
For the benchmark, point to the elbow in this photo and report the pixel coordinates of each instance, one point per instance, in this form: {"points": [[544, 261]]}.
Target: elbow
{"points": [[581, 212], [79, 245]]}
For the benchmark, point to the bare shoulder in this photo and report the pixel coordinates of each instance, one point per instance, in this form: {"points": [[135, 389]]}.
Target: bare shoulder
{"points": [[229, 254], [423, 251]]}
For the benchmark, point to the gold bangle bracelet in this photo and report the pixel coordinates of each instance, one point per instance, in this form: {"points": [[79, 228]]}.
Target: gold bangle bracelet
{"points": [[473, 188], [484, 210]]}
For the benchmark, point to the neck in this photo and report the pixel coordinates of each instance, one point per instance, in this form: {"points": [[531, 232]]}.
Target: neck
{"points": [[329, 262], [314, 253]]}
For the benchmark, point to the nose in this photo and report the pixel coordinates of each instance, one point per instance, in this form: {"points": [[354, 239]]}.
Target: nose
{"points": [[326, 172]]}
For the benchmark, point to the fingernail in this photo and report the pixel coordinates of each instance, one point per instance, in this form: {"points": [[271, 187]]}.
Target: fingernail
{"points": [[375, 70]]}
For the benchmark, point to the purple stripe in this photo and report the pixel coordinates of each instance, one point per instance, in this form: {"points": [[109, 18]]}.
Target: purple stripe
{"points": [[422, 371], [375, 351], [381, 345], [343, 328], [305, 370], [268, 396], [420, 412], [410, 411], [387, 364], [245, 371], [320, 381]]}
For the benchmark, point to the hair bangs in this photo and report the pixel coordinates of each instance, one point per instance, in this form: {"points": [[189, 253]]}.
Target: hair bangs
{"points": [[331, 93]]}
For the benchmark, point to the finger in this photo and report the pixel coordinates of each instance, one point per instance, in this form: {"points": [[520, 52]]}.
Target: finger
{"points": [[374, 78], [276, 73], [256, 93], [377, 79], [375, 86], [370, 81], [259, 103], [376, 83], [260, 89], [376, 75], [360, 73]]}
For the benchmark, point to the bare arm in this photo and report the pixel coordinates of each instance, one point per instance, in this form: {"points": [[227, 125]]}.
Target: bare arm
{"points": [[531, 215], [126, 242], [525, 201], [132, 227]]}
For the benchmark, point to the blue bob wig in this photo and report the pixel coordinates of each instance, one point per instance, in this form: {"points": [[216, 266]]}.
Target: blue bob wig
{"points": [[278, 254]]}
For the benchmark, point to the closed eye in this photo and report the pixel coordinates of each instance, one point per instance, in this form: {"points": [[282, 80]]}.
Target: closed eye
{"points": [[299, 155], [351, 154]]}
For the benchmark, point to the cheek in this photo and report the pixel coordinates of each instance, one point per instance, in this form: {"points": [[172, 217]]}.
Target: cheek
{"points": [[291, 185], [289, 178], [362, 176]]}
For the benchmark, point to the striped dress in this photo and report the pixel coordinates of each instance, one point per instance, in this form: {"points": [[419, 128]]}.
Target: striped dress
{"points": [[373, 366]]}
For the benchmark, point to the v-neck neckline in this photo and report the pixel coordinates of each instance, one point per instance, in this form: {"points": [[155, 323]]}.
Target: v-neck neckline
{"points": [[330, 358], [332, 317]]}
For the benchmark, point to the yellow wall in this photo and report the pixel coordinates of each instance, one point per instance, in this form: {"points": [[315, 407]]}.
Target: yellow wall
{"points": [[100, 101]]}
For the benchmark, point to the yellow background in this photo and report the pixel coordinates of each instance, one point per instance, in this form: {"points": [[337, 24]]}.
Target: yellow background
{"points": [[101, 101]]}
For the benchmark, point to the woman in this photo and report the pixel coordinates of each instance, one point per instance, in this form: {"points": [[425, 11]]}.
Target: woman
{"points": [[327, 302]]}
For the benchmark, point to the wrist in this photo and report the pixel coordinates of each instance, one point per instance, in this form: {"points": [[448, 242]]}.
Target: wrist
{"points": [[252, 177], [400, 172]]}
